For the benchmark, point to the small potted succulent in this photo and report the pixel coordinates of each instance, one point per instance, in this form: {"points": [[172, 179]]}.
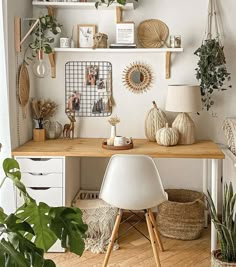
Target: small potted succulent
{"points": [[226, 229]]}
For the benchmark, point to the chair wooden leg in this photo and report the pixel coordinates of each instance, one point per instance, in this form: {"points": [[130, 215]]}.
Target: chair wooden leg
{"points": [[156, 232], [152, 238], [113, 237]]}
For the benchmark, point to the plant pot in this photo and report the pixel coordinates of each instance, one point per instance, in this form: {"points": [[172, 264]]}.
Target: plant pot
{"points": [[39, 135], [217, 262]]}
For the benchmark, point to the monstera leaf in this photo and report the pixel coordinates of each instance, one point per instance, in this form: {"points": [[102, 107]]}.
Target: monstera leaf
{"points": [[68, 226], [12, 171], [37, 216], [34, 228]]}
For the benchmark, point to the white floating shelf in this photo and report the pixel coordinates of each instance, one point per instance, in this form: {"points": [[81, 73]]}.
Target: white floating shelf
{"points": [[120, 50], [80, 5]]}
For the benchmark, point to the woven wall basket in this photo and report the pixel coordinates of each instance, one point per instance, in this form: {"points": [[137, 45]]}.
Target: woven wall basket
{"points": [[152, 33], [182, 216]]}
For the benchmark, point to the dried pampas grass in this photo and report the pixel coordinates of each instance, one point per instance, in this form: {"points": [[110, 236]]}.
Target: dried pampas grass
{"points": [[42, 108]]}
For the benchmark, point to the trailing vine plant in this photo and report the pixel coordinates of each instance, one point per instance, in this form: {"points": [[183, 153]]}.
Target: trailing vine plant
{"points": [[109, 2], [211, 69]]}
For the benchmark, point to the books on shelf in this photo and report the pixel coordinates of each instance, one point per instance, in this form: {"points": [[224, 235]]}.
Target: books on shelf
{"points": [[123, 45]]}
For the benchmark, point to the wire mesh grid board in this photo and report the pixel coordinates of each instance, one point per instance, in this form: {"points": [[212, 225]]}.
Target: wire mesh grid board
{"points": [[88, 88]]}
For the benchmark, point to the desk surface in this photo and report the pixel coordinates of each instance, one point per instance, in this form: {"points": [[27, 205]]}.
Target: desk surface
{"points": [[92, 147]]}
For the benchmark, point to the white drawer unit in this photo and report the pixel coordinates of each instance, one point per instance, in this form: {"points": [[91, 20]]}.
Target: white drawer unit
{"points": [[42, 179], [51, 196], [40, 165], [52, 180]]}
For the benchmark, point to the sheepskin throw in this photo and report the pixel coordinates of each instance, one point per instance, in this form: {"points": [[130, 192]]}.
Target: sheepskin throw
{"points": [[229, 127], [100, 218]]}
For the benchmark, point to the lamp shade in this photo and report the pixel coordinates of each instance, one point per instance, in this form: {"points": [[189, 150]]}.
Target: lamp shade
{"points": [[183, 98]]}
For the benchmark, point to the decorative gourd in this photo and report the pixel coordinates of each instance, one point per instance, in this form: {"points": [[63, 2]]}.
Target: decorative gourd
{"points": [[155, 120], [167, 136]]}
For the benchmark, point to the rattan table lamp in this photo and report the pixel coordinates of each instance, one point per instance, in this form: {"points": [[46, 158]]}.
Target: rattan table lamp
{"points": [[184, 99]]}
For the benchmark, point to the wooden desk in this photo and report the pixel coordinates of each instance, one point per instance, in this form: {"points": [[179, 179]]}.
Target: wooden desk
{"points": [[93, 148], [206, 150]]}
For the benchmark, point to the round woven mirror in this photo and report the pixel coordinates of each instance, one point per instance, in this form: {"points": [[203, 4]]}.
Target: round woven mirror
{"points": [[137, 77]]}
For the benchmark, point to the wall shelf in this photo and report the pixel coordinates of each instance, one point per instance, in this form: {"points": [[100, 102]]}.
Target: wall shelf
{"points": [[120, 50], [166, 51], [80, 5]]}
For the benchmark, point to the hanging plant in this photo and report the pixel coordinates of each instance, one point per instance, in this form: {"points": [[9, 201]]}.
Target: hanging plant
{"points": [[211, 69], [109, 2], [41, 39]]}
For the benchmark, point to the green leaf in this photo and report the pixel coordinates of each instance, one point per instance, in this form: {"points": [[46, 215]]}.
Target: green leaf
{"points": [[12, 256], [14, 224], [37, 216], [69, 228], [3, 216]]}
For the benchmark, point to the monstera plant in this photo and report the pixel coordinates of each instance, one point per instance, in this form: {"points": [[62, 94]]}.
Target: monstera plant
{"points": [[29, 232]]}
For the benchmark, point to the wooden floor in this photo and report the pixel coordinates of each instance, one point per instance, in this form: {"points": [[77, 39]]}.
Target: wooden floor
{"points": [[136, 251]]}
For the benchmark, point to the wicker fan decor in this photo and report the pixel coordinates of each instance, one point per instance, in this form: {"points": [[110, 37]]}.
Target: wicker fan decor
{"points": [[152, 33], [24, 85]]}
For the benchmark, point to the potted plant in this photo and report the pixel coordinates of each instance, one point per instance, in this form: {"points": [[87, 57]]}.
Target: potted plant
{"points": [[226, 229], [45, 35], [211, 69], [34, 228], [109, 2]]}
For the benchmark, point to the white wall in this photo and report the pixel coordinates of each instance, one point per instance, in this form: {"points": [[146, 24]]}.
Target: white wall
{"points": [[23, 9], [184, 17]]}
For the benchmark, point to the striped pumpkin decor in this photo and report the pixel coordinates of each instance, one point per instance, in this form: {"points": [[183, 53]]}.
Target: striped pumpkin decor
{"points": [[167, 136], [155, 120]]}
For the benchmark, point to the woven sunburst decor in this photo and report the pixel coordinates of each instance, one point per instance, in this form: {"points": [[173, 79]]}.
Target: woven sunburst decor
{"points": [[152, 33], [145, 75]]}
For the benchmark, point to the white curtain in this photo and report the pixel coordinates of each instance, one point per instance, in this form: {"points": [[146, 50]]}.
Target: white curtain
{"points": [[7, 197]]}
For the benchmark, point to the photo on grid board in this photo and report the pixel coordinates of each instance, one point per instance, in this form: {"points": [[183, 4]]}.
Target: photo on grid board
{"points": [[91, 75], [101, 85], [73, 102]]}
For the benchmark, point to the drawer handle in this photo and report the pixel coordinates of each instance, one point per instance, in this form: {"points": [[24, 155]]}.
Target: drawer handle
{"points": [[39, 188], [38, 173], [40, 159]]}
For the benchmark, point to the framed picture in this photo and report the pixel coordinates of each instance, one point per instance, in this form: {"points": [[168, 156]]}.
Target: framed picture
{"points": [[85, 35]]}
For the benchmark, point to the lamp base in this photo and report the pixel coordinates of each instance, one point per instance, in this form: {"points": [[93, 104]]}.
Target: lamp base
{"points": [[186, 128]]}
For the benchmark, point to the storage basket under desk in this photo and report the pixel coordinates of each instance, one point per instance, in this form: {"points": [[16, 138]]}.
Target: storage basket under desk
{"points": [[100, 218]]}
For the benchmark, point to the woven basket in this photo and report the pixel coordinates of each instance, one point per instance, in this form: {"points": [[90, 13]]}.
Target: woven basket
{"points": [[100, 40], [182, 216], [216, 260]]}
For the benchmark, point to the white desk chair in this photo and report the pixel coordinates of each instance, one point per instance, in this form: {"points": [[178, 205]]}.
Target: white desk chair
{"points": [[132, 182]]}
